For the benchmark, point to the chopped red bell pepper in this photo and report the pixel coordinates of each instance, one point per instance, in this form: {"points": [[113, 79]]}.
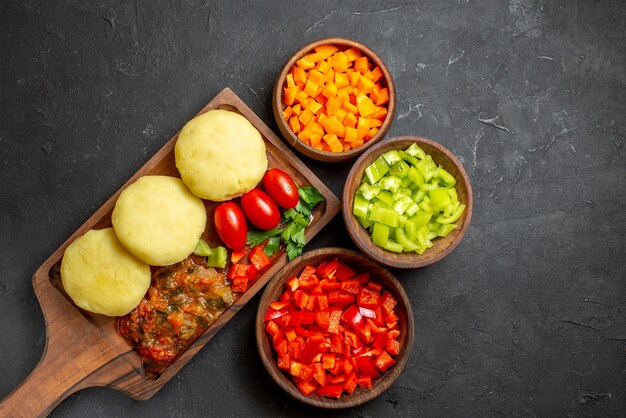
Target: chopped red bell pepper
{"points": [[328, 360], [252, 272], [279, 305], [393, 347], [258, 258], [368, 299], [388, 302], [383, 361], [292, 283], [307, 387], [333, 334], [237, 270], [375, 287], [300, 298], [235, 256], [330, 390], [363, 279], [364, 381], [239, 284], [322, 302], [319, 373], [333, 321], [329, 286], [271, 327], [351, 286], [352, 316], [350, 384], [366, 367], [284, 363], [343, 272]]}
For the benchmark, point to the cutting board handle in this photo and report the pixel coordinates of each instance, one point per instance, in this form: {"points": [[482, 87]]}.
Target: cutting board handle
{"points": [[72, 357]]}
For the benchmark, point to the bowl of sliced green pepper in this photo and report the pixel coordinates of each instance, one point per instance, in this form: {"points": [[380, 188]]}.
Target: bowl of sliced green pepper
{"points": [[407, 202]]}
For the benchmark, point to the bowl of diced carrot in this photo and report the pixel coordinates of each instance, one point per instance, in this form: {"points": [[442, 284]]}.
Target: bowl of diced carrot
{"points": [[333, 99], [334, 329]]}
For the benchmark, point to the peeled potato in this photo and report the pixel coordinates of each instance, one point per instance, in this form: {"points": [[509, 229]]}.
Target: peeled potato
{"points": [[220, 155], [101, 276], [159, 220]]}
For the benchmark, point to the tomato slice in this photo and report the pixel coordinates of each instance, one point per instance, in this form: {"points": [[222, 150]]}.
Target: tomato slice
{"points": [[281, 188]]}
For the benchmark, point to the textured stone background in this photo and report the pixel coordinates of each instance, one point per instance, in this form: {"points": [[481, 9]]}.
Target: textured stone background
{"points": [[527, 317]]}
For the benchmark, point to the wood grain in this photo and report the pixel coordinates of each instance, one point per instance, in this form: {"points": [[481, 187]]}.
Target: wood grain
{"points": [[441, 246], [84, 349], [359, 263], [278, 105]]}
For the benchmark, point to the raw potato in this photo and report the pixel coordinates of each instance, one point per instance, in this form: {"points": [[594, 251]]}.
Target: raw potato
{"points": [[158, 220], [101, 276], [220, 155]]}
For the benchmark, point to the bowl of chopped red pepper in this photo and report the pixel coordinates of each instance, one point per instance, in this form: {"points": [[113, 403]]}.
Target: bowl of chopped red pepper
{"points": [[334, 329]]}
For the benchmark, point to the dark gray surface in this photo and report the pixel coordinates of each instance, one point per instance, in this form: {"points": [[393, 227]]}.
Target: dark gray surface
{"points": [[526, 317]]}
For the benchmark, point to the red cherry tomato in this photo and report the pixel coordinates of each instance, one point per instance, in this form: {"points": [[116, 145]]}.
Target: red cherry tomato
{"points": [[260, 209], [231, 225], [281, 188]]}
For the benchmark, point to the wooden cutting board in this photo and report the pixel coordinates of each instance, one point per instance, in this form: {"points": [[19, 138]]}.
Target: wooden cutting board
{"points": [[84, 349]]}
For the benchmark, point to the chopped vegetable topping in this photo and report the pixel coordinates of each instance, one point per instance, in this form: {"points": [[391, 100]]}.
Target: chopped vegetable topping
{"points": [[405, 201], [333, 330]]}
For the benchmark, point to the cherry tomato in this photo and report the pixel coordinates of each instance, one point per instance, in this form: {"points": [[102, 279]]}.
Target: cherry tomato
{"points": [[231, 225], [281, 188], [260, 209]]}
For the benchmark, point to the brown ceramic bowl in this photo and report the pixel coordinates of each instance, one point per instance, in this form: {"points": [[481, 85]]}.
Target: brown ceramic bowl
{"points": [[278, 105], [441, 246], [359, 263]]}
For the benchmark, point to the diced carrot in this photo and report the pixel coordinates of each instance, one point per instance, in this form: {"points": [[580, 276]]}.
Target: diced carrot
{"points": [[350, 120], [340, 114], [313, 106], [383, 96], [307, 116], [294, 124], [333, 142], [350, 107], [373, 122], [380, 113], [353, 54], [299, 76], [323, 66], [341, 80], [350, 134], [316, 77], [332, 105], [354, 78], [305, 63], [366, 107], [326, 50], [362, 128], [360, 65], [301, 96], [311, 88], [330, 90], [340, 62], [365, 84], [290, 95], [335, 100], [377, 74], [343, 95]]}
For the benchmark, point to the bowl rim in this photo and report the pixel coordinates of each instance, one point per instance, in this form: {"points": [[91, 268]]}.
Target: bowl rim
{"points": [[345, 401], [366, 245], [307, 149]]}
